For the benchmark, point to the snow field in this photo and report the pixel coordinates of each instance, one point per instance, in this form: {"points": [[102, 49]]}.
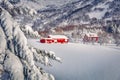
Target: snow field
{"points": [[83, 62]]}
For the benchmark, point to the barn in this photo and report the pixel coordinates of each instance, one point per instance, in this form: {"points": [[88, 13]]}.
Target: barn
{"points": [[55, 39], [47, 40], [90, 37]]}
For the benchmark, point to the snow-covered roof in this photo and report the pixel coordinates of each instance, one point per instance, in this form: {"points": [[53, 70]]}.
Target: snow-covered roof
{"points": [[91, 34], [57, 36], [46, 38]]}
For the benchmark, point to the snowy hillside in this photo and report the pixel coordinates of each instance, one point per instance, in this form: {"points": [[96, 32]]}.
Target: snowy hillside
{"points": [[53, 13], [38, 4], [78, 12], [83, 62]]}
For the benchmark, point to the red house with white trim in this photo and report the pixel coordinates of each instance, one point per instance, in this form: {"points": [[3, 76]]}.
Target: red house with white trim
{"points": [[90, 37], [55, 39]]}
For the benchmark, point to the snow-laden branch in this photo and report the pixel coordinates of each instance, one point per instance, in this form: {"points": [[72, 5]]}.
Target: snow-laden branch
{"points": [[17, 49], [13, 10], [29, 32], [43, 56]]}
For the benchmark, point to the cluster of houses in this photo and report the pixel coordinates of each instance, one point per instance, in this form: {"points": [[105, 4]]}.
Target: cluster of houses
{"points": [[55, 39], [61, 34], [89, 37], [101, 33]]}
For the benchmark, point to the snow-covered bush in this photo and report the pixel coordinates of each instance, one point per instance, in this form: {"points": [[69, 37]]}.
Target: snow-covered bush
{"points": [[17, 57]]}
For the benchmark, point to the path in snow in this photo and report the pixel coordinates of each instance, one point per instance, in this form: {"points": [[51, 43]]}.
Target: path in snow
{"points": [[83, 62]]}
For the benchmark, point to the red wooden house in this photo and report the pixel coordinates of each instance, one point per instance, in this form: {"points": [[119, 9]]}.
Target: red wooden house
{"points": [[90, 37], [55, 39]]}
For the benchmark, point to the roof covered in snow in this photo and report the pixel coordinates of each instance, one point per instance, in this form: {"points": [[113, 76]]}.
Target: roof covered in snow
{"points": [[91, 34], [57, 36]]}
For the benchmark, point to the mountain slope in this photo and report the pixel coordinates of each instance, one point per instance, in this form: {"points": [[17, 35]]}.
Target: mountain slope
{"points": [[52, 13], [78, 12]]}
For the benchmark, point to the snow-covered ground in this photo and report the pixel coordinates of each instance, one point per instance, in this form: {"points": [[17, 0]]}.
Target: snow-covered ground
{"points": [[83, 62]]}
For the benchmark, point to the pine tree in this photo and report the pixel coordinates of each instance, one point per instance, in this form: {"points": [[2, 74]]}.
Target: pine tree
{"points": [[17, 58]]}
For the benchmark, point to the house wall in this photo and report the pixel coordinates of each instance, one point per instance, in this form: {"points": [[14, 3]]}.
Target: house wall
{"points": [[90, 39]]}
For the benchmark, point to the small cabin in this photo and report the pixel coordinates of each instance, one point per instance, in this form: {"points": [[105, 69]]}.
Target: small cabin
{"points": [[90, 37], [55, 39]]}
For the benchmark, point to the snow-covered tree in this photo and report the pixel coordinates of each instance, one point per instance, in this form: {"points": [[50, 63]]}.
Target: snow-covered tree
{"points": [[18, 59], [103, 38], [116, 33]]}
